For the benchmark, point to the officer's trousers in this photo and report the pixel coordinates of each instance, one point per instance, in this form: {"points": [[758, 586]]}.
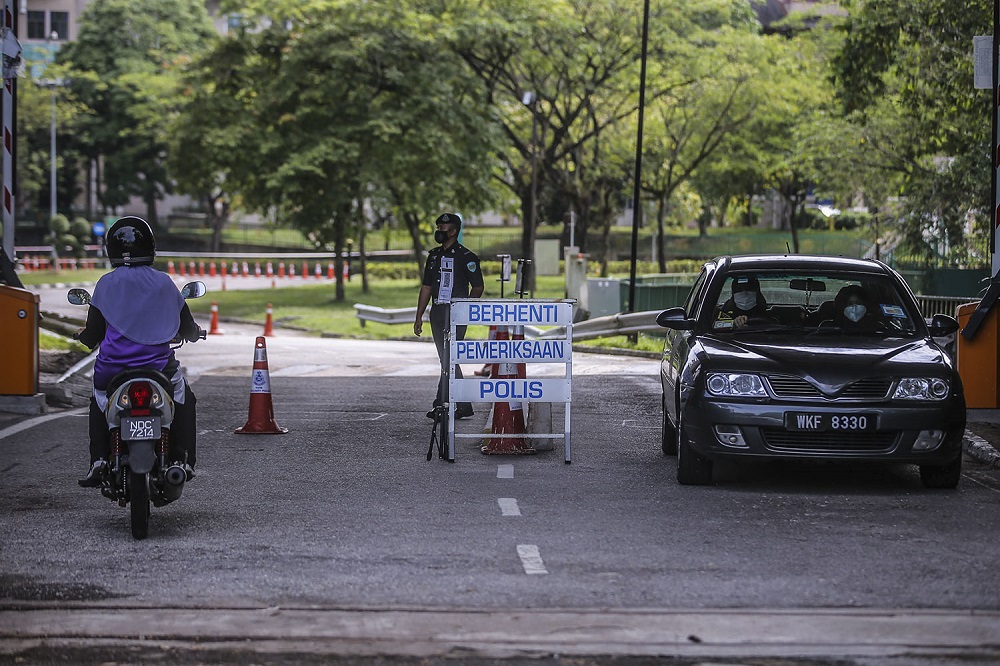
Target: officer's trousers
{"points": [[439, 327]]}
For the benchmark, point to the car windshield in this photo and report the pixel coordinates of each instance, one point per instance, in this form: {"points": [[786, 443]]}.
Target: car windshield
{"points": [[820, 303]]}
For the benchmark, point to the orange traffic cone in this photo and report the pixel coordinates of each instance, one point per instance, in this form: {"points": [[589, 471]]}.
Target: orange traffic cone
{"points": [[214, 329], [260, 420], [269, 322], [508, 418]]}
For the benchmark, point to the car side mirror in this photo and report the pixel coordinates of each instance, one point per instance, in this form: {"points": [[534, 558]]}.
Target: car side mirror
{"points": [[943, 325], [676, 319], [195, 289], [78, 296]]}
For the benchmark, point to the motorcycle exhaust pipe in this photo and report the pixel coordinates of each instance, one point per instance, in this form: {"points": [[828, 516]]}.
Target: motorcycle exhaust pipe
{"points": [[173, 482]]}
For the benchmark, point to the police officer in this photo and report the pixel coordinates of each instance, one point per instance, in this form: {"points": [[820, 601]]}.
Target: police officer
{"points": [[452, 271]]}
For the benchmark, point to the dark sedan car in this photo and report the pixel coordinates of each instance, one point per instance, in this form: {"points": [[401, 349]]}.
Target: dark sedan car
{"points": [[807, 357]]}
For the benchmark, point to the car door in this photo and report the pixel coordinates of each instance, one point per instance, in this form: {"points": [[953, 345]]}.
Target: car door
{"points": [[676, 346]]}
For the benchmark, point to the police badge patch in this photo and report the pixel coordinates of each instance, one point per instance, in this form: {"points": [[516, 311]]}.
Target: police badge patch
{"points": [[471, 266]]}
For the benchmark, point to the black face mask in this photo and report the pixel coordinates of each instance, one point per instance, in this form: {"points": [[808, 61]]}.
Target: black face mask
{"points": [[440, 237]]}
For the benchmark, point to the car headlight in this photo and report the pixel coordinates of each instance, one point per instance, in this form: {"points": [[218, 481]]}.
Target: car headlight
{"points": [[735, 385], [922, 388]]}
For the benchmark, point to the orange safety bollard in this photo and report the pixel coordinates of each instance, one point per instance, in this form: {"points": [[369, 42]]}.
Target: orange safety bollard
{"points": [[212, 271], [183, 269], [260, 420], [281, 269], [330, 273], [508, 417], [305, 269], [214, 328], [318, 271], [170, 268], [246, 270], [269, 322]]}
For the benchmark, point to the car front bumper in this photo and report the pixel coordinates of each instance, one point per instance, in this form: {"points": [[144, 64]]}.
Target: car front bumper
{"points": [[902, 433]]}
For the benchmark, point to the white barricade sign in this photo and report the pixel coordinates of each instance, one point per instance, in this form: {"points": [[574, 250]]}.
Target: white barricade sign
{"points": [[513, 313]]}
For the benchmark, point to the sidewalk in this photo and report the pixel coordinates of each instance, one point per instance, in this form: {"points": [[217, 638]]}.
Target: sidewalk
{"points": [[982, 436]]}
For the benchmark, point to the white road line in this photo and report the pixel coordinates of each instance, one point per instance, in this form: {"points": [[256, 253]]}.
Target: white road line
{"points": [[505, 471], [24, 425], [530, 559], [508, 506]]}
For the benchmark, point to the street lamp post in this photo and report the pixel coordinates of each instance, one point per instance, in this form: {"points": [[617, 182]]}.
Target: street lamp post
{"points": [[52, 84], [529, 100]]}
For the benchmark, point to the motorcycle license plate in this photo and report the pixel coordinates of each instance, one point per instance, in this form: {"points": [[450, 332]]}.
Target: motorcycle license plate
{"points": [[140, 427], [805, 422]]}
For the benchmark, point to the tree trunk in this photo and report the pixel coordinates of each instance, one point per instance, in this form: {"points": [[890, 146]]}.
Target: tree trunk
{"points": [[413, 226]]}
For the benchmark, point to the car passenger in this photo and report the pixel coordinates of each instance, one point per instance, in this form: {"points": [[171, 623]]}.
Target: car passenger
{"points": [[853, 310]]}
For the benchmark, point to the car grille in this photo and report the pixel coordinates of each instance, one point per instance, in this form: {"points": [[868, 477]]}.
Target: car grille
{"points": [[787, 386], [779, 439]]}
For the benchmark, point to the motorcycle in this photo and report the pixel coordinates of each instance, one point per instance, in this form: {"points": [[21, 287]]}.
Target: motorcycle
{"points": [[139, 414]]}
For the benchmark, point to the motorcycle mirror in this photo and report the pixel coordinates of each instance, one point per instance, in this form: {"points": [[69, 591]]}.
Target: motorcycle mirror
{"points": [[78, 296], [194, 289]]}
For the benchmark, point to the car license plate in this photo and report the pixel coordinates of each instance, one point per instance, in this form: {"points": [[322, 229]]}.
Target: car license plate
{"points": [[140, 427], [804, 421]]}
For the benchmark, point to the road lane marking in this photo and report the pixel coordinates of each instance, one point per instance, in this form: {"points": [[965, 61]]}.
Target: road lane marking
{"points": [[508, 506], [531, 560], [505, 471], [24, 425]]}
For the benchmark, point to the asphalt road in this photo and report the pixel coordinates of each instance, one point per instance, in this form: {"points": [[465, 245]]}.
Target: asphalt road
{"points": [[340, 538]]}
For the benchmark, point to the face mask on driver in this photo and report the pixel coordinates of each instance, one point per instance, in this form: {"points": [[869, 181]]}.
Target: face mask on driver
{"points": [[440, 236], [855, 312], [745, 300]]}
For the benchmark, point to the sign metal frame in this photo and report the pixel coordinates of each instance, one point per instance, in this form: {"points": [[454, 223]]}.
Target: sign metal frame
{"points": [[512, 313]]}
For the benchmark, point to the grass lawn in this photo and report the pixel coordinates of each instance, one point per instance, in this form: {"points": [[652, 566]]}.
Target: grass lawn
{"points": [[313, 307]]}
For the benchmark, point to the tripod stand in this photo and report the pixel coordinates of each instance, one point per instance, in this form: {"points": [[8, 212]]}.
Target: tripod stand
{"points": [[439, 433]]}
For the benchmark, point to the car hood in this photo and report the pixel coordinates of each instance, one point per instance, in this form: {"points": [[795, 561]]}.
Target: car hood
{"points": [[825, 360]]}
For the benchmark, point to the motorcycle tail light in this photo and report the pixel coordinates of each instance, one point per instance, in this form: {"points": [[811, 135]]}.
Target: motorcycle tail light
{"points": [[140, 395]]}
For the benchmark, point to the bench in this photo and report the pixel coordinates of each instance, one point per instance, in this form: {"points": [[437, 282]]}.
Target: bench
{"points": [[367, 313]]}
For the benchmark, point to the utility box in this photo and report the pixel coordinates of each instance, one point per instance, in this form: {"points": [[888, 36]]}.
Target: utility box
{"points": [[979, 358], [19, 333], [605, 296]]}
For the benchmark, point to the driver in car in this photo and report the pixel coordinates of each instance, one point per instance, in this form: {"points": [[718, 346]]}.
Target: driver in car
{"points": [[746, 302]]}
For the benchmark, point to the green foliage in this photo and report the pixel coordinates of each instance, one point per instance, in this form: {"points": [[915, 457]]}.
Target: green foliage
{"points": [[59, 225], [124, 67]]}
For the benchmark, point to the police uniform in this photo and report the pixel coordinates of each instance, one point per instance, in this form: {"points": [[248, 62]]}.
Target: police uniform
{"points": [[450, 273]]}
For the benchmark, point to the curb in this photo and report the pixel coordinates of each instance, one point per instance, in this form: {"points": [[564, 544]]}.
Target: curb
{"points": [[981, 450]]}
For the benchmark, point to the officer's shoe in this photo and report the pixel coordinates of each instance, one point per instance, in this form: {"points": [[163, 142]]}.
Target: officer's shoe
{"points": [[189, 471], [94, 476], [463, 412]]}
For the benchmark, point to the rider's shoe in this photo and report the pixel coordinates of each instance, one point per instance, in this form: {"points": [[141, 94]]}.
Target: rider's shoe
{"points": [[463, 412], [93, 478], [189, 470]]}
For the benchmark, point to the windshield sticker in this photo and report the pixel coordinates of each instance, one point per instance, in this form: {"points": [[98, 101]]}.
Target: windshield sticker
{"points": [[723, 323], [893, 311]]}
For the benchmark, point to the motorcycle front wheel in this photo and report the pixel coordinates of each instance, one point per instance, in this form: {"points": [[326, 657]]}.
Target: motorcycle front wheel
{"points": [[139, 502]]}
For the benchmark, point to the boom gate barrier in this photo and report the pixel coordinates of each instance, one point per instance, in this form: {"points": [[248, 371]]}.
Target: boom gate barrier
{"points": [[510, 312]]}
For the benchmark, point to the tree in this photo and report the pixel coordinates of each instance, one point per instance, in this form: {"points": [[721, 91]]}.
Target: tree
{"points": [[124, 67], [904, 79], [342, 109]]}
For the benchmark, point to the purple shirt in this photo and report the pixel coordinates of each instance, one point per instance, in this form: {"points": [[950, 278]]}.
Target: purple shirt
{"points": [[118, 353]]}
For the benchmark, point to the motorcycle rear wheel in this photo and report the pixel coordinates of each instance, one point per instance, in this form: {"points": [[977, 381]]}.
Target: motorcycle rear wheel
{"points": [[139, 501]]}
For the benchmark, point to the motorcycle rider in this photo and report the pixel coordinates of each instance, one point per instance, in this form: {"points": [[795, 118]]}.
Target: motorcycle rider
{"points": [[134, 314]]}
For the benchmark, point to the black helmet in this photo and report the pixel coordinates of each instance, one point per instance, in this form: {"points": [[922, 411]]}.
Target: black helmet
{"points": [[130, 242]]}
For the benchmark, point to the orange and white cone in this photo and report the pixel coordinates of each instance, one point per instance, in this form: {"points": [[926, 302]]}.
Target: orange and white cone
{"points": [[507, 417], [260, 420], [269, 322], [214, 328]]}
